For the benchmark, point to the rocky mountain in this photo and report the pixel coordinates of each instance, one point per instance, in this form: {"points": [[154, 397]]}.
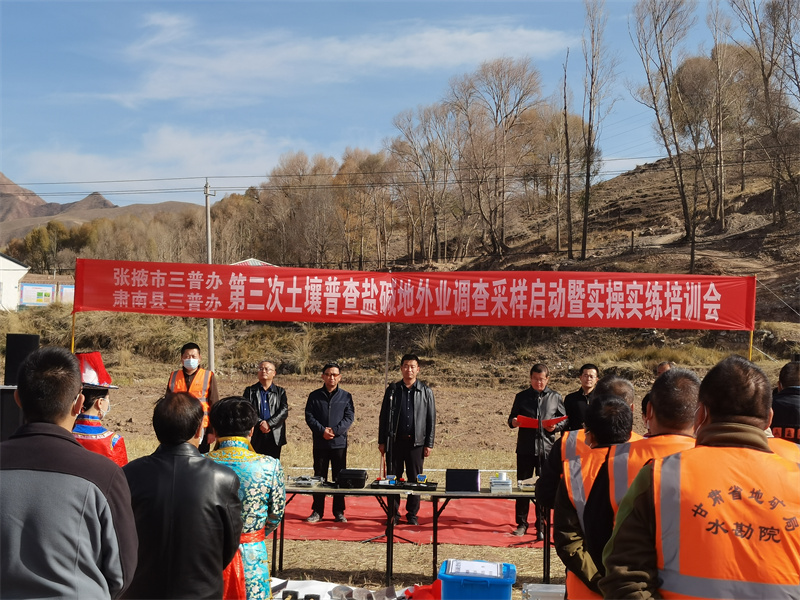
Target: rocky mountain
{"points": [[22, 210]]}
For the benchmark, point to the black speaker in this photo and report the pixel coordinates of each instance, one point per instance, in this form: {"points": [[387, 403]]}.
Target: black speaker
{"points": [[18, 347]]}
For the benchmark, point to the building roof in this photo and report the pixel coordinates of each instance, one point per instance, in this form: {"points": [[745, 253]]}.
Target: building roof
{"points": [[14, 260]]}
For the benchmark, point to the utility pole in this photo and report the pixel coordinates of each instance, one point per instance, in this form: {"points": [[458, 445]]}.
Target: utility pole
{"points": [[208, 193]]}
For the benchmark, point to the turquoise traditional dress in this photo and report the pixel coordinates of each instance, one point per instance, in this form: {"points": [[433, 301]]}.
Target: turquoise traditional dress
{"points": [[263, 494]]}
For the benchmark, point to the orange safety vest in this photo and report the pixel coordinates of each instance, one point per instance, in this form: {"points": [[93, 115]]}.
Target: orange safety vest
{"points": [[625, 460], [580, 473], [573, 443], [198, 388], [727, 524], [785, 448]]}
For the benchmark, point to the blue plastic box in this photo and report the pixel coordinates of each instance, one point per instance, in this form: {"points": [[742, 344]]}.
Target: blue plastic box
{"points": [[476, 579]]}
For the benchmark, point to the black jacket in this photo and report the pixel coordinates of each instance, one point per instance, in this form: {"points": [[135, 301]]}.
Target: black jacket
{"points": [[786, 417], [337, 413], [188, 516], [424, 413], [278, 411], [544, 405]]}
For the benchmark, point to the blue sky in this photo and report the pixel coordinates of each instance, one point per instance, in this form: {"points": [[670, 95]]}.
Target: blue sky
{"points": [[124, 91]]}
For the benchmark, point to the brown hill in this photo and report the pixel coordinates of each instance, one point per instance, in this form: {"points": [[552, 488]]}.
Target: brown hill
{"points": [[21, 210]]}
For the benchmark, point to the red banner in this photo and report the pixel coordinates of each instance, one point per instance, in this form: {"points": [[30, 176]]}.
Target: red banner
{"points": [[532, 298]]}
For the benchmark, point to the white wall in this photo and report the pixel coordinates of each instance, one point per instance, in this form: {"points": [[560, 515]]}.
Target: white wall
{"points": [[10, 275]]}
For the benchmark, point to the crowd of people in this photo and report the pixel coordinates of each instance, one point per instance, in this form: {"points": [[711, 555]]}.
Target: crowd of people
{"points": [[705, 504]]}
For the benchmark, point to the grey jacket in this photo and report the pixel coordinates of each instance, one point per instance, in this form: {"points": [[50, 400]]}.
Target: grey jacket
{"points": [[66, 525], [424, 413]]}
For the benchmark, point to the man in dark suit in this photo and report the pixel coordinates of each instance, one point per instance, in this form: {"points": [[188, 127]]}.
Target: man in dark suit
{"points": [[272, 407], [187, 509]]}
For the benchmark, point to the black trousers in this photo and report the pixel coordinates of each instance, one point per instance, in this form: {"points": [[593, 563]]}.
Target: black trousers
{"points": [[405, 456], [268, 446], [527, 465], [336, 458]]}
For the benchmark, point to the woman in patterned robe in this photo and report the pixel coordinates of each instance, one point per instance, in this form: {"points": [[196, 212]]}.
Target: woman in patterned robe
{"points": [[261, 490]]}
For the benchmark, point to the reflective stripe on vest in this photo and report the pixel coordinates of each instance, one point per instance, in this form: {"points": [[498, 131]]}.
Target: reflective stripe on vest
{"points": [[753, 502], [579, 477], [198, 388], [625, 460], [573, 444]]}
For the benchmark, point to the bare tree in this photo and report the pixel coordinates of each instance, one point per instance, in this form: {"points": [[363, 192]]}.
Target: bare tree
{"points": [[426, 150], [770, 34], [660, 27], [601, 66], [489, 105]]}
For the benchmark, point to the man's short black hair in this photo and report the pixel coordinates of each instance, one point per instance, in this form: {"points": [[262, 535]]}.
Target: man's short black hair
{"points": [[540, 368], [614, 385], [609, 419], [48, 383], [176, 418], [407, 357], [736, 390], [331, 365], [790, 375], [587, 367], [674, 398], [189, 346], [233, 416]]}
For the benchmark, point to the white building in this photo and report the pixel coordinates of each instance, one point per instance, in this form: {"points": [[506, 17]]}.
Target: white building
{"points": [[11, 271]]}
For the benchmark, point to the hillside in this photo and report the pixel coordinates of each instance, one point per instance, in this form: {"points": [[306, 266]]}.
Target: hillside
{"points": [[21, 210]]}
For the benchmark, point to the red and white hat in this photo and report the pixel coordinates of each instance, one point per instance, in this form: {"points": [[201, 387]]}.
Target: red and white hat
{"points": [[93, 372]]}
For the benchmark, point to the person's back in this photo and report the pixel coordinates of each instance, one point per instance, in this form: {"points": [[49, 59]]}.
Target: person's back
{"points": [[786, 404], [66, 526], [718, 520], [188, 513], [262, 491]]}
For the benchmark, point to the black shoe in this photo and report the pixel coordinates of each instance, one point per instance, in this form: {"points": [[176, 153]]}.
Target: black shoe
{"points": [[314, 517], [412, 520], [520, 531], [396, 519], [539, 536], [340, 518]]}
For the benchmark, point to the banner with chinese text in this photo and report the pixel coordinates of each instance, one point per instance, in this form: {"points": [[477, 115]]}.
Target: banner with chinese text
{"points": [[531, 298]]}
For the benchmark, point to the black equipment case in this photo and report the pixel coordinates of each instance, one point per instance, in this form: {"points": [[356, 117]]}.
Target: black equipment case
{"points": [[352, 479]]}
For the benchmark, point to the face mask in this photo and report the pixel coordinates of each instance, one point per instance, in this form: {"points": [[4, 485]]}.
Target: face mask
{"points": [[191, 363], [107, 410]]}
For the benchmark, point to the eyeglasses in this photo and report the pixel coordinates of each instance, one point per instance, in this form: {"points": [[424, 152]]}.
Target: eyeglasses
{"points": [[331, 374]]}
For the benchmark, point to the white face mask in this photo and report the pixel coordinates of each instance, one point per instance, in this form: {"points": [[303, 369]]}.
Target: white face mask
{"points": [[191, 363], [108, 410]]}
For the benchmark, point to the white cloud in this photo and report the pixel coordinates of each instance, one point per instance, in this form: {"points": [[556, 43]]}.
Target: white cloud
{"points": [[243, 157], [178, 61]]}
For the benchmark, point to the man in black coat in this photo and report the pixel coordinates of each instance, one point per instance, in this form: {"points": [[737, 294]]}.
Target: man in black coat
{"points": [[329, 415], [270, 402], [541, 403], [187, 508]]}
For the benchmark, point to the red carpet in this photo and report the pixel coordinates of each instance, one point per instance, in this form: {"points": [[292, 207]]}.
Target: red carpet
{"points": [[465, 521]]}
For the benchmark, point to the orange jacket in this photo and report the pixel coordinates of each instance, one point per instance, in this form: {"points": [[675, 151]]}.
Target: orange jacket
{"points": [[785, 448], [198, 388], [727, 524], [625, 460]]}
